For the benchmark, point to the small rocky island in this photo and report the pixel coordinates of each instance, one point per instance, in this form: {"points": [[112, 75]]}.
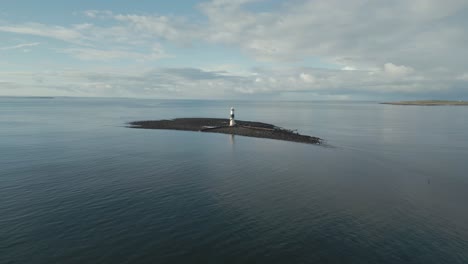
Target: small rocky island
{"points": [[228, 126], [428, 102]]}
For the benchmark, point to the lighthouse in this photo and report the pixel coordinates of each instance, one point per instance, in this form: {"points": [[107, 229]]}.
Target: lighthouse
{"points": [[231, 118]]}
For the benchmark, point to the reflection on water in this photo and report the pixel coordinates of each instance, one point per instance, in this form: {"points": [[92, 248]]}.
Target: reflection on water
{"points": [[76, 186]]}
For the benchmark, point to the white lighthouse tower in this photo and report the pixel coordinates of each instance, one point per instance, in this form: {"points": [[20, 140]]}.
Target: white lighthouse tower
{"points": [[231, 118]]}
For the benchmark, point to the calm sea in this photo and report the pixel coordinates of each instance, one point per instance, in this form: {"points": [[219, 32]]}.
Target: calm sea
{"points": [[77, 186]]}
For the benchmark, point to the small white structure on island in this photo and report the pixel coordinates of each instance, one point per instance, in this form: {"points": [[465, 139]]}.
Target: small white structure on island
{"points": [[231, 118]]}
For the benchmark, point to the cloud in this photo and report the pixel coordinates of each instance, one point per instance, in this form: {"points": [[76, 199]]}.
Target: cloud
{"points": [[463, 77], [89, 54], [419, 34], [196, 74], [56, 32], [158, 26], [20, 46], [90, 42], [348, 68], [185, 83], [361, 33], [397, 71], [307, 78], [98, 13], [379, 47]]}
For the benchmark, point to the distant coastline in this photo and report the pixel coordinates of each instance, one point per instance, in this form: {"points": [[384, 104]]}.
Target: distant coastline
{"points": [[428, 102], [28, 97]]}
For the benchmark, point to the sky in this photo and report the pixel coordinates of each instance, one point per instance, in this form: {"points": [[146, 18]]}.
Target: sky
{"points": [[235, 49]]}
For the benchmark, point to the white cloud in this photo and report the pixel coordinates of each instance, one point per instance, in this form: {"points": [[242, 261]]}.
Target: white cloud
{"points": [[397, 71], [348, 68], [89, 54], [198, 83], [361, 33], [159, 26], [377, 47], [98, 13], [463, 77], [307, 78], [91, 13], [91, 42], [20, 46], [57, 32], [419, 33]]}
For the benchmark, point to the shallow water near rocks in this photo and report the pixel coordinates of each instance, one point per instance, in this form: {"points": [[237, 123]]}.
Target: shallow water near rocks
{"points": [[77, 186]]}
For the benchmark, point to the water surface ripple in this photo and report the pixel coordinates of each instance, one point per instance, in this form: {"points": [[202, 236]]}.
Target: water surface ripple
{"points": [[76, 186]]}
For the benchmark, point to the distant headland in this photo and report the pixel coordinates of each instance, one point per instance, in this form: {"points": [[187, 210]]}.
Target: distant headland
{"points": [[428, 102], [27, 97], [227, 126]]}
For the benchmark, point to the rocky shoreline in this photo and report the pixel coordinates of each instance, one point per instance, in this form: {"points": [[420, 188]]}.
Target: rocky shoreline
{"points": [[219, 125]]}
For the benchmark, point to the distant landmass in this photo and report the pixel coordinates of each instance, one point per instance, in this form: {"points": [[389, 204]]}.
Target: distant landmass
{"points": [[28, 97], [428, 102]]}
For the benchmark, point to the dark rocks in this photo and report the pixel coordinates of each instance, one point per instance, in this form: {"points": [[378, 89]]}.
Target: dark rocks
{"points": [[219, 125]]}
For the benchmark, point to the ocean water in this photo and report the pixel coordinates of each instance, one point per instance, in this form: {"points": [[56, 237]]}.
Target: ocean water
{"points": [[76, 186]]}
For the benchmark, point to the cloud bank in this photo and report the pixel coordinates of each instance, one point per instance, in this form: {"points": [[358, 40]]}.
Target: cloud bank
{"points": [[378, 49]]}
